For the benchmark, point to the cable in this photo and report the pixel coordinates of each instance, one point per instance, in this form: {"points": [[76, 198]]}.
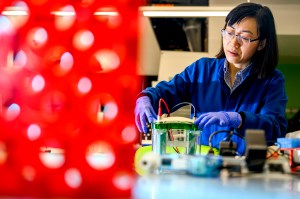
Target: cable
{"points": [[171, 137], [214, 133], [211, 151], [273, 152], [169, 131], [278, 145], [221, 131], [160, 109], [185, 103]]}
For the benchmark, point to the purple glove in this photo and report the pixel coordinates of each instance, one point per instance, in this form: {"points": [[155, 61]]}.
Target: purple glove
{"points": [[230, 119], [144, 112]]}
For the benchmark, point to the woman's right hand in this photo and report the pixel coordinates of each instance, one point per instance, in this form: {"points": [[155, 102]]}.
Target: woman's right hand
{"points": [[144, 113]]}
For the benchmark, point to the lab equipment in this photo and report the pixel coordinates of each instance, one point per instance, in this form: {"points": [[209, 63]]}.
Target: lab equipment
{"points": [[177, 132], [198, 165]]}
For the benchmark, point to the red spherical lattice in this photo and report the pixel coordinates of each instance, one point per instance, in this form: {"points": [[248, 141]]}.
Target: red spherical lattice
{"points": [[67, 88]]}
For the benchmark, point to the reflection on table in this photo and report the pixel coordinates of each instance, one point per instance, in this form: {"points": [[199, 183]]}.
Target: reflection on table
{"points": [[273, 186]]}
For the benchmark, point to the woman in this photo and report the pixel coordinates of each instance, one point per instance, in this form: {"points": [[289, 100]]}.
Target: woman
{"points": [[239, 89]]}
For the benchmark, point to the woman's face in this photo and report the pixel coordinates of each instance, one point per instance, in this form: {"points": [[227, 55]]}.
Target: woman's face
{"points": [[239, 53]]}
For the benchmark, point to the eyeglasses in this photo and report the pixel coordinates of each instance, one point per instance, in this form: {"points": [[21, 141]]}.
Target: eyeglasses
{"points": [[241, 40]]}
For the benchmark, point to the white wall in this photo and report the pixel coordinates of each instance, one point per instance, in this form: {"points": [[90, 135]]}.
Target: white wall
{"points": [[149, 51]]}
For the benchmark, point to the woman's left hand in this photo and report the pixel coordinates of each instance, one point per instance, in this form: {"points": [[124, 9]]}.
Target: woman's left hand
{"points": [[230, 119]]}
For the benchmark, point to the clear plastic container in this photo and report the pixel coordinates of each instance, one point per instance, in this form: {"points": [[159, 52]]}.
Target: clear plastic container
{"points": [[178, 133]]}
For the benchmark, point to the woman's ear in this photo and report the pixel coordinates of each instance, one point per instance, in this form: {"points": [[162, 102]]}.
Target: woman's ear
{"points": [[261, 44]]}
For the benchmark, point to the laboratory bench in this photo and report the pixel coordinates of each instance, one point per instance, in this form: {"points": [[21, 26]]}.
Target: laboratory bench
{"points": [[259, 186]]}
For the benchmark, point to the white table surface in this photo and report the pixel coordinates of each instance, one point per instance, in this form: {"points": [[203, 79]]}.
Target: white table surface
{"points": [[253, 186]]}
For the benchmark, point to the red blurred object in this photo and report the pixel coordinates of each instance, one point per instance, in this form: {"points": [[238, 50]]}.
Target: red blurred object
{"points": [[67, 96]]}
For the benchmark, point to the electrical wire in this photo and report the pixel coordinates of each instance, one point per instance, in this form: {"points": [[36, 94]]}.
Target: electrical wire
{"points": [[185, 103], [160, 109], [170, 134], [221, 131], [214, 133], [273, 152]]}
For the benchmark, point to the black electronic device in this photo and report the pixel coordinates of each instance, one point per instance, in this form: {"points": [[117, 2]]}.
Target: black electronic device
{"points": [[228, 148], [256, 149]]}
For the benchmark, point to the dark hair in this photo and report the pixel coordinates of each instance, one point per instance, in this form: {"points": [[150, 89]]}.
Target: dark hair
{"points": [[265, 60]]}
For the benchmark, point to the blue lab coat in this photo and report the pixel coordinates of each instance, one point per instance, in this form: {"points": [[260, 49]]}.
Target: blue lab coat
{"points": [[262, 102]]}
